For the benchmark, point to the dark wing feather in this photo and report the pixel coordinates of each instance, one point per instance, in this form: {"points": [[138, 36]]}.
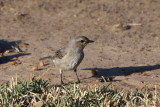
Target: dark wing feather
{"points": [[60, 53], [47, 57]]}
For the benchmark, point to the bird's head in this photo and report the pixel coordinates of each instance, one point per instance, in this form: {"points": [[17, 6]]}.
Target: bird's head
{"points": [[81, 41]]}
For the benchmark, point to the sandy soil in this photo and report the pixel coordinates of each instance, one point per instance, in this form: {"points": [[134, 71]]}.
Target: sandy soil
{"points": [[126, 35]]}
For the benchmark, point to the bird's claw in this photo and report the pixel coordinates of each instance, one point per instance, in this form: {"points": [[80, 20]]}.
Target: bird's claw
{"points": [[62, 83], [78, 81]]}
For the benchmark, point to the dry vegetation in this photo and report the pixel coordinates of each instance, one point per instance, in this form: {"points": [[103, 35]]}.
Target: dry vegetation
{"points": [[38, 93], [127, 47]]}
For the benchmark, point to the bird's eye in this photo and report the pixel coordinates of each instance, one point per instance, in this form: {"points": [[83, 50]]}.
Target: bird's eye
{"points": [[82, 41]]}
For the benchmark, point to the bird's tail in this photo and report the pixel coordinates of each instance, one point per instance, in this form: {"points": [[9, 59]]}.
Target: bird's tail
{"points": [[47, 57]]}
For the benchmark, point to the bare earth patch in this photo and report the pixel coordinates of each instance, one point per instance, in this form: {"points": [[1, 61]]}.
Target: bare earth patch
{"points": [[126, 34]]}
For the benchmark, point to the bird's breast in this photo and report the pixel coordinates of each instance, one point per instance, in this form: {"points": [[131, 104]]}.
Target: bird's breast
{"points": [[75, 60], [69, 61]]}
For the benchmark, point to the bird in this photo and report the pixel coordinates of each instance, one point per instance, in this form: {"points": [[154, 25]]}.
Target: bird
{"points": [[69, 57]]}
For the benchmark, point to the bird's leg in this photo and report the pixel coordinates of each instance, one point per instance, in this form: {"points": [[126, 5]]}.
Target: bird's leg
{"points": [[61, 76], [78, 81]]}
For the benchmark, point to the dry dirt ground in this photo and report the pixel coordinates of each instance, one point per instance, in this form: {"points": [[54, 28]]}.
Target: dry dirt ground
{"points": [[126, 35]]}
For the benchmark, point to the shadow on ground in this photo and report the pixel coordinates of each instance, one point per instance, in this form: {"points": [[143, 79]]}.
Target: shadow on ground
{"points": [[118, 71], [5, 45], [123, 71]]}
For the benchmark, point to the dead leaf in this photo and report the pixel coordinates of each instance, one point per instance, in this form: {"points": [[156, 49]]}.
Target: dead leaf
{"points": [[13, 62], [35, 68], [42, 64], [94, 72]]}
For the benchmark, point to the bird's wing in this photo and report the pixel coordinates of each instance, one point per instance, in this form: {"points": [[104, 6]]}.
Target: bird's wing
{"points": [[47, 57], [60, 53]]}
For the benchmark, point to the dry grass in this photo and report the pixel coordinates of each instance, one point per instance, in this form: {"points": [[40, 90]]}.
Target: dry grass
{"points": [[38, 92]]}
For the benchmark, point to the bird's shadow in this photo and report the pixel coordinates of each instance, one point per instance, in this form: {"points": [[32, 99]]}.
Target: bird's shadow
{"points": [[6, 45], [122, 71], [118, 71]]}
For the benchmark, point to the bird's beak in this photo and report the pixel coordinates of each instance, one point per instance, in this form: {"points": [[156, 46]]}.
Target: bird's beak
{"points": [[90, 41]]}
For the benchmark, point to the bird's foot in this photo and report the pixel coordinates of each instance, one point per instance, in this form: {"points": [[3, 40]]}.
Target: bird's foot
{"points": [[78, 81], [62, 83]]}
